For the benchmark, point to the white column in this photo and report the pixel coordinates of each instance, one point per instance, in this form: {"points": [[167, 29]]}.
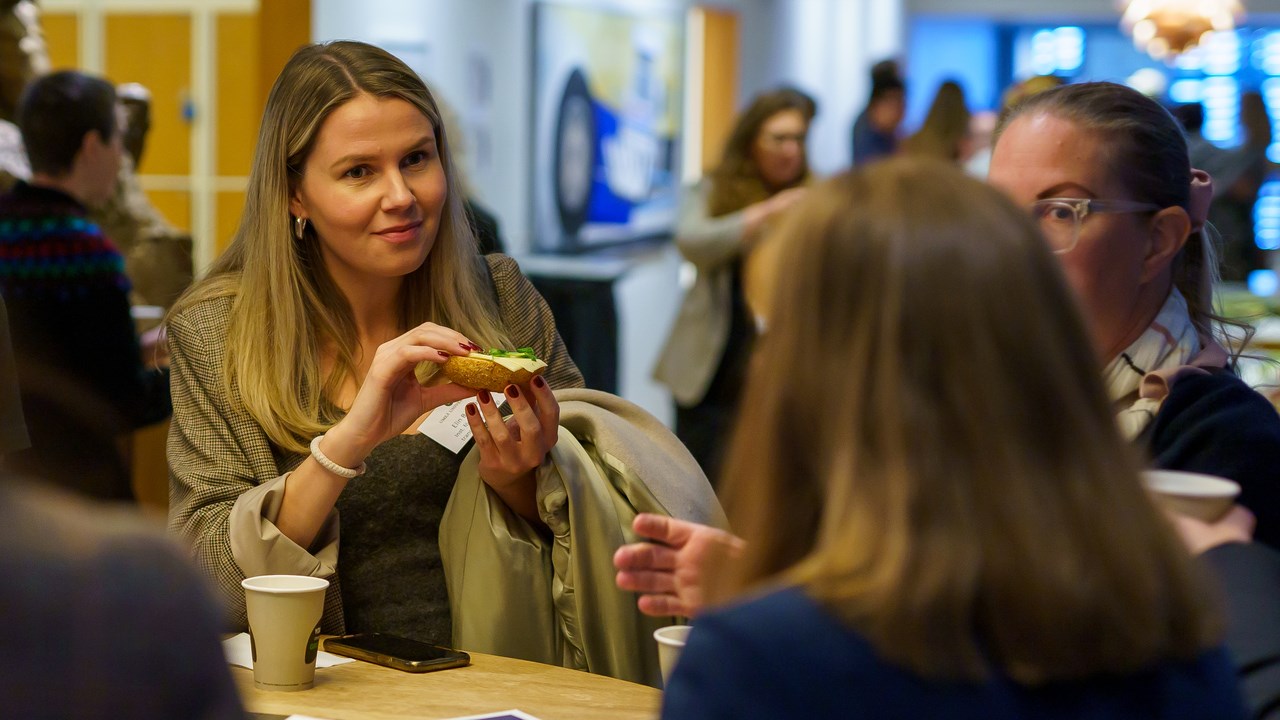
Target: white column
{"points": [[203, 135]]}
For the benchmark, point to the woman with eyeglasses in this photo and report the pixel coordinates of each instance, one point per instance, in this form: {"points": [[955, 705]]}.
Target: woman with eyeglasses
{"points": [[763, 171], [1105, 171]]}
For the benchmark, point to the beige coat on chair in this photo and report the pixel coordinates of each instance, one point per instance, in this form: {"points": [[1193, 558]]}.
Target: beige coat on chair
{"points": [[517, 592]]}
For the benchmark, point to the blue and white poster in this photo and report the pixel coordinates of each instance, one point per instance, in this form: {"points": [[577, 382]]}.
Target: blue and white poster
{"points": [[607, 112]]}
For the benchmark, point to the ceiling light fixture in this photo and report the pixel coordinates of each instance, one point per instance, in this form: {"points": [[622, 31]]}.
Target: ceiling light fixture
{"points": [[1166, 28]]}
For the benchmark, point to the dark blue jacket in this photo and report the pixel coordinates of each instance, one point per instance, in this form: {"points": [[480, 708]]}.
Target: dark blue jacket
{"points": [[783, 656]]}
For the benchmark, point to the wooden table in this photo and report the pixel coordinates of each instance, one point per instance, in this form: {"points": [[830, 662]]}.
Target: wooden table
{"points": [[363, 691]]}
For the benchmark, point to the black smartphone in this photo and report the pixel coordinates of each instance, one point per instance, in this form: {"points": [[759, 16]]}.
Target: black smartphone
{"points": [[396, 652]]}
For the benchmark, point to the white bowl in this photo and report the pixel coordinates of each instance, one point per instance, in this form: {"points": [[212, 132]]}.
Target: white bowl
{"points": [[1201, 496]]}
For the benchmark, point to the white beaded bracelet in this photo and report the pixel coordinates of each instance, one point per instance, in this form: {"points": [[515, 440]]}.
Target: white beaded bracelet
{"points": [[332, 466]]}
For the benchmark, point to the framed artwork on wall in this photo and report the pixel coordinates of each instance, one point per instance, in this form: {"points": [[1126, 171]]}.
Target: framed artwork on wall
{"points": [[607, 92]]}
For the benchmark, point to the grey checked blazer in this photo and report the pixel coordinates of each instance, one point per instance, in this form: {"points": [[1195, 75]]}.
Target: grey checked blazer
{"points": [[217, 452]]}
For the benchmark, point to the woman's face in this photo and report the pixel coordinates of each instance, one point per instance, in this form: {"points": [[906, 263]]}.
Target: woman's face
{"points": [[373, 188], [778, 150], [1042, 156]]}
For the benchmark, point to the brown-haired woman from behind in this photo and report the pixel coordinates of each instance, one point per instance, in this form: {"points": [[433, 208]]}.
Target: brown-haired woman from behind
{"points": [[762, 172], [940, 517]]}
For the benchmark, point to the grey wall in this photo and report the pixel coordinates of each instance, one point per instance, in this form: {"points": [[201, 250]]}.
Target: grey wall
{"points": [[823, 46]]}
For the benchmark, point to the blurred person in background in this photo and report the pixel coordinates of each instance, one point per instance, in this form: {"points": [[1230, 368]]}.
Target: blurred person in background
{"points": [[1105, 171], [763, 171], [896, 551], [111, 620], [85, 386], [1238, 174], [115, 623], [875, 130], [944, 134], [157, 255], [23, 57]]}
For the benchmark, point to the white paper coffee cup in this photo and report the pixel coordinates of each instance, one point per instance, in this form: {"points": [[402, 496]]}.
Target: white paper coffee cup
{"points": [[284, 629], [671, 640]]}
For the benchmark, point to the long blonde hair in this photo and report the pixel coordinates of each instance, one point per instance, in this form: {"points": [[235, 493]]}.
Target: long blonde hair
{"points": [[941, 468], [286, 306]]}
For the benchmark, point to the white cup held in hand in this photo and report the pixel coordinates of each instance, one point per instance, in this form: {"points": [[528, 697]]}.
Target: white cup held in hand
{"points": [[1199, 496], [284, 629], [671, 640]]}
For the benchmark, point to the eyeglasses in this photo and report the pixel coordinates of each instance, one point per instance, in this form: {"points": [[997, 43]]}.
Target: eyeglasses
{"points": [[777, 140], [1060, 218]]}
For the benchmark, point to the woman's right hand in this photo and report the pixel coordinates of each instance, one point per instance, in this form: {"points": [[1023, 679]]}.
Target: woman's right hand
{"points": [[390, 397]]}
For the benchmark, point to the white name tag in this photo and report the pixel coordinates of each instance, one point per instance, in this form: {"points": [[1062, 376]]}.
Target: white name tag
{"points": [[448, 426]]}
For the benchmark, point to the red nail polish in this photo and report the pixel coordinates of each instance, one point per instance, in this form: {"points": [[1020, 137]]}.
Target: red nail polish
{"points": [[538, 382], [513, 391], [471, 409], [466, 347], [476, 347], [443, 354], [485, 397]]}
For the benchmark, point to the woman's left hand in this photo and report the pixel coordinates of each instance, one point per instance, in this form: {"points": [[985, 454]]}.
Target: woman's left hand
{"points": [[511, 449]]}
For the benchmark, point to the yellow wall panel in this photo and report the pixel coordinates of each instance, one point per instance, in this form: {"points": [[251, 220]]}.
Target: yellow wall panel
{"points": [[151, 468], [238, 99], [175, 205], [155, 50], [230, 205], [720, 82], [61, 33], [290, 28]]}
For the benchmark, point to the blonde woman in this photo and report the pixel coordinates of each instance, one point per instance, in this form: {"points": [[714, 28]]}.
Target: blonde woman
{"points": [[939, 517], [293, 361]]}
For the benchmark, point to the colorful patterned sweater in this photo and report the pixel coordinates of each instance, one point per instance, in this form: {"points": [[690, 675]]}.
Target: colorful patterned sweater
{"points": [[80, 369]]}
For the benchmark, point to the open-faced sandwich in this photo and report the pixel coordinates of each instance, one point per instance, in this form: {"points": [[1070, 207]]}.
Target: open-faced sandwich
{"points": [[493, 370]]}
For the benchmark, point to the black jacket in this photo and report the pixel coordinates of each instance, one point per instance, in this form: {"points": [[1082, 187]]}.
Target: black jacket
{"points": [[1218, 425]]}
